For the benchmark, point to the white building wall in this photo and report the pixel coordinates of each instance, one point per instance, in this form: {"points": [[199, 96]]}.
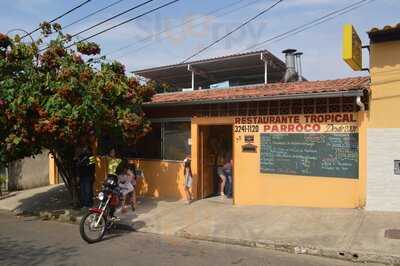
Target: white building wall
{"points": [[383, 186]]}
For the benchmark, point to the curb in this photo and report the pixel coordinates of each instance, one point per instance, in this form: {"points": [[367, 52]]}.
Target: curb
{"points": [[359, 257], [9, 195]]}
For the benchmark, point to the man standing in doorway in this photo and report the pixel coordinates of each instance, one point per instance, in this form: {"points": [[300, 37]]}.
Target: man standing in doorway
{"points": [[227, 168]]}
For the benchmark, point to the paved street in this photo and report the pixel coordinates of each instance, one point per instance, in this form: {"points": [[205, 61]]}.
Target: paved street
{"points": [[29, 241]]}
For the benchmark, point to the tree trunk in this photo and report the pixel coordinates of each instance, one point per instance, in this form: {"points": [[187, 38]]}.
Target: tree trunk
{"points": [[66, 168]]}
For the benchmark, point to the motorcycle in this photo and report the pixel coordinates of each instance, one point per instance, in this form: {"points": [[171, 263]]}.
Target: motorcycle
{"points": [[97, 221]]}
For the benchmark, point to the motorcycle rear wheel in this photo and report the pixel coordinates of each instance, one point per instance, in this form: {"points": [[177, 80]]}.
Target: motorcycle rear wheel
{"points": [[87, 225]]}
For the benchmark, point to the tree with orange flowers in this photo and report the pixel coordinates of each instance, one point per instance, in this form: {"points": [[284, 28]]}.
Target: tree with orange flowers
{"points": [[59, 98]]}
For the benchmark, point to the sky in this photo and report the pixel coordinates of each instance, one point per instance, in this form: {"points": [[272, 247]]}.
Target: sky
{"points": [[208, 20]]}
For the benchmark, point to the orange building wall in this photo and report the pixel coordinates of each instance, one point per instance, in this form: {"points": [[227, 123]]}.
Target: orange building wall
{"points": [[385, 85], [251, 187], [162, 179], [255, 188]]}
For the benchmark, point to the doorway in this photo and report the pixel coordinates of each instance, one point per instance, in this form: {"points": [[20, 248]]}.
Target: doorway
{"points": [[216, 147]]}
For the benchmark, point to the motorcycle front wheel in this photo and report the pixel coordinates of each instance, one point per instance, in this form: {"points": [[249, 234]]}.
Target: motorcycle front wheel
{"points": [[88, 229]]}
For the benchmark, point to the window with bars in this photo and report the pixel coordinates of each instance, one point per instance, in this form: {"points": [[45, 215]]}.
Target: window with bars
{"points": [[166, 141], [279, 107]]}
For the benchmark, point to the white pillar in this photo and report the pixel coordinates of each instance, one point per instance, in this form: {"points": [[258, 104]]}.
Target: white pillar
{"points": [[264, 58], [193, 80], [265, 72]]}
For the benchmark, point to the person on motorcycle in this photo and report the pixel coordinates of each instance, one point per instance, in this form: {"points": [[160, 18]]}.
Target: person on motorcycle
{"points": [[112, 164], [125, 178]]}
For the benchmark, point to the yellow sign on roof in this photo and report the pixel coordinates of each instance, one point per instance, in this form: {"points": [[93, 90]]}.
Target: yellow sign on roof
{"points": [[352, 48]]}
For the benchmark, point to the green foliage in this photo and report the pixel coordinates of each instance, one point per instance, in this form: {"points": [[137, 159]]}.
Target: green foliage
{"points": [[3, 180], [57, 100]]}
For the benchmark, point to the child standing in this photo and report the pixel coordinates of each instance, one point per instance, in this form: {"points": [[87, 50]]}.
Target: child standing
{"points": [[187, 171]]}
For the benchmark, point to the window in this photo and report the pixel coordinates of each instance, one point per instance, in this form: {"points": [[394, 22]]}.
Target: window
{"points": [[150, 146], [176, 140], [167, 140]]}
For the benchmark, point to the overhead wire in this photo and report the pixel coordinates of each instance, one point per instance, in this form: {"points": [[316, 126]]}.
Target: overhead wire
{"points": [[111, 18], [325, 20], [311, 24], [233, 31], [60, 16], [123, 22], [151, 36], [92, 14]]}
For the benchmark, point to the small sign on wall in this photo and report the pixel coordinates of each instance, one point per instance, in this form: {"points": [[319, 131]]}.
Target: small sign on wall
{"points": [[397, 167], [249, 148], [249, 138]]}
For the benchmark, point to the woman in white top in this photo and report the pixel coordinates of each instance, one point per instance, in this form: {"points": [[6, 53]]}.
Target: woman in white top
{"points": [[187, 171], [125, 178]]}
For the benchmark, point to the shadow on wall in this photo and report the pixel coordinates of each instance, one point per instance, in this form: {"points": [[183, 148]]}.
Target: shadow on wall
{"points": [[162, 179], [29, 172]]}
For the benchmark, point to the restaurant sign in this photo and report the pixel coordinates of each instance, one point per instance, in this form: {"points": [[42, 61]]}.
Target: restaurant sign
{"points": [[323, 145], [308, 123], [352, 48]]}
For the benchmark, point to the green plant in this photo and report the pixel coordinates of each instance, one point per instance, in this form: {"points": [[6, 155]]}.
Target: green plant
{"points": [[61, 99], [3, 180]]}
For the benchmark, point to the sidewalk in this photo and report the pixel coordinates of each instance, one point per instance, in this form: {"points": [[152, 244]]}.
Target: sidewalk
{"points": [[339, 233], [33, 201]]}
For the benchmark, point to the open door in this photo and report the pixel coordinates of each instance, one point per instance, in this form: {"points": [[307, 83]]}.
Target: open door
{"points": [[206, 164], [215, 146]]}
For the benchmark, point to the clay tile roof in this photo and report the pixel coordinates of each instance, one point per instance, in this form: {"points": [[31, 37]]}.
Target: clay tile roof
{"points": [[385, 28], [264, 91], [387, 33]]}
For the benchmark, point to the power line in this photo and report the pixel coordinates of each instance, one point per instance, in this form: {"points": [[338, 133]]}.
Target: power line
{"points": [[325, 20], [124, 22], [149, 37], [232, 31], [111, 18], [311, 24], [60, 16], [92, 14]]}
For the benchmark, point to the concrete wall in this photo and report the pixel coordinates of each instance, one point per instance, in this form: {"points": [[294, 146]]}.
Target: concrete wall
{"points": [[29, 172], [383, 188]]}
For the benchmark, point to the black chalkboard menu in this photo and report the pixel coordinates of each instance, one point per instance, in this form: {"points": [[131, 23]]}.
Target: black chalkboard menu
{"points": [[327, 155]]}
